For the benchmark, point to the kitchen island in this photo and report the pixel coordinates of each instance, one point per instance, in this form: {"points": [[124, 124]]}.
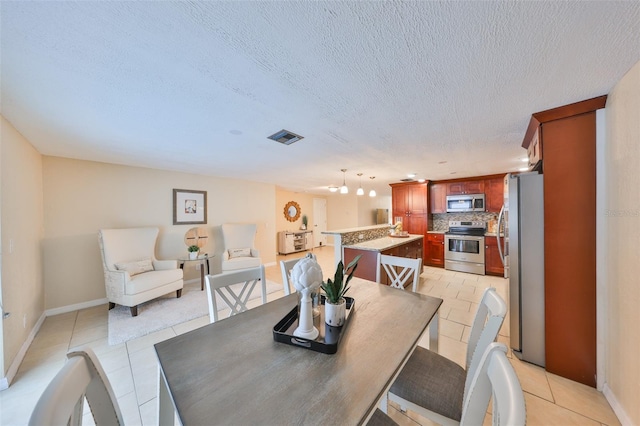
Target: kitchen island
{"points": [[370, 251]]}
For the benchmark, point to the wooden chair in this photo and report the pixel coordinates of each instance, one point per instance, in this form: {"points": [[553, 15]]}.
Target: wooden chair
{"points": [[435, 386], [495, 378], [235, 289], [400, 270], [62, 402], [285, 268]]}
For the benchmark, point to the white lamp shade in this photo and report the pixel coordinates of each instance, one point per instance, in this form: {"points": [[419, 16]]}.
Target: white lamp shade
{"points": [[372, 193], [344, 189], [360, 191]]}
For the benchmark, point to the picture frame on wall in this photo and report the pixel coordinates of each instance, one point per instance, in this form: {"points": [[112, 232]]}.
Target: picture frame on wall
{"points": [[189, 207]]}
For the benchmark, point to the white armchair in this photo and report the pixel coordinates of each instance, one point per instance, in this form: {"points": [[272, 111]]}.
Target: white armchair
{"points": [[239, 251], [132, 274]]}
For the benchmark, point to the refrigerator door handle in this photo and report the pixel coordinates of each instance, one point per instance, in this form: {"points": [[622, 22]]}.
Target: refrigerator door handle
{"points": [[500, 218]]}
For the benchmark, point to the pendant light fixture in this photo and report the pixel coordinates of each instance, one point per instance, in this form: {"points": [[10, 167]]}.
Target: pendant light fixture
{"points": [[372, 193], [360, 191], [343, 188]]}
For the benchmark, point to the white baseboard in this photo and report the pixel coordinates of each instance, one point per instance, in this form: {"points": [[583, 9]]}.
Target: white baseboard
{"points": [[13, 368], [624, 419], [76, 307]]}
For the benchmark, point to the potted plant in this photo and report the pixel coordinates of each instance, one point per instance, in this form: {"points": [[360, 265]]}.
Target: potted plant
{"points": [[193, 252], [304, 222], [335, 308]]}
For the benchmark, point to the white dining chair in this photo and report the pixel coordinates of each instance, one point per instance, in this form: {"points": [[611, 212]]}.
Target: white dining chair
{"points": [[62, 402], [496, 380], [400, 270], [235, 289], [285, 268], [433, 385]]}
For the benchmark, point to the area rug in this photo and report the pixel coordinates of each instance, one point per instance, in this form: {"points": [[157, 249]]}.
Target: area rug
{"points": [[166, 311]]}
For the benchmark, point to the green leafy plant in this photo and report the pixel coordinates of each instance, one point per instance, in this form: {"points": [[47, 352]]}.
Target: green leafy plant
{"points": [[304, 219], [192, 249], [336, 289]]}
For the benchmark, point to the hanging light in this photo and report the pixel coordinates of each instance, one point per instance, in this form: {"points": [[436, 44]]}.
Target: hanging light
{"points": [[333, 188], [372, 193], [343, 188], [360, 191]]}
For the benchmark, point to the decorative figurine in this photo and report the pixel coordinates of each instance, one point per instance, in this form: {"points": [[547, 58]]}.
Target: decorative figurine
{"points": [[307, 277]]}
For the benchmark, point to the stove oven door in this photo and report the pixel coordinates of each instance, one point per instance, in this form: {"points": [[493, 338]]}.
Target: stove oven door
{"points": [[464, 248]]}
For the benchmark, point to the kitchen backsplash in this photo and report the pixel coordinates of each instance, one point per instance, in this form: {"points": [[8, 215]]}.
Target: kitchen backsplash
{"points": [[440, 222]]}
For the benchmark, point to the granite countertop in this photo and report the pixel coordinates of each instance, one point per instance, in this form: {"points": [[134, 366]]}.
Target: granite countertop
{"points": [[384, 243], [436, 232], [349, 230]]}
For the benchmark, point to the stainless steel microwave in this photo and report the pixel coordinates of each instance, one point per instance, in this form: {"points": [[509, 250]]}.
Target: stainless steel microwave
{"points": [[465, 203]]}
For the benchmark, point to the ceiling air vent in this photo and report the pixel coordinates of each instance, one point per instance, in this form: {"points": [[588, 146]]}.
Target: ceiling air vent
{"points": [[407, 180], [285, 137]]}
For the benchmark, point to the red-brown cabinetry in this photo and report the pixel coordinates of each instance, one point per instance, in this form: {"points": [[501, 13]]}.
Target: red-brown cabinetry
{"points": [[465, 187], [434, 253], [492, 261], [410, 201], [438, 197], [494, 194]]}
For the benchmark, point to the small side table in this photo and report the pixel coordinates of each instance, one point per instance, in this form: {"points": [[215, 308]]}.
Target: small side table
{"points": [[202, 259]]}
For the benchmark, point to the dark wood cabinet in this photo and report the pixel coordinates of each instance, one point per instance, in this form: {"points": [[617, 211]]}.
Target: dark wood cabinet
{"points": [[435, 250], [494, 194], [492, 261], [465, 187], [568, 138], [410, 201], [438, 197]]}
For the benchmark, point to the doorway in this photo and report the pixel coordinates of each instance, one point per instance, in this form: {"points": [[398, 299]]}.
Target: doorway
{"points": [[319, 221]]}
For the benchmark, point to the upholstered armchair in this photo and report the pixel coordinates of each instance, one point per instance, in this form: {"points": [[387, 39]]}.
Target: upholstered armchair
{"points": [[239, 251], [132, 274]]}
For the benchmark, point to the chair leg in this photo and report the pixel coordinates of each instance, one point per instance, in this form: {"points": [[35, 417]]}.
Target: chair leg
{"points": [[178, 293], [134, 311], [111, 305]]}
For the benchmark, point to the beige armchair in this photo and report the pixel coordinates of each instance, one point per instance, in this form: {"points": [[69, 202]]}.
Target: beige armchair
{"points": [[132, 274], [239, 251]]}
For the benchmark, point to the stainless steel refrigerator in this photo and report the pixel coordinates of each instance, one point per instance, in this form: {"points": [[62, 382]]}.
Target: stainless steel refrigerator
{"points": [[522, 251]]}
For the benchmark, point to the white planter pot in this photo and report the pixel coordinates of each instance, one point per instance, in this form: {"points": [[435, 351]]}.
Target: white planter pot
{"points": [[334, 315], [193, 255]]}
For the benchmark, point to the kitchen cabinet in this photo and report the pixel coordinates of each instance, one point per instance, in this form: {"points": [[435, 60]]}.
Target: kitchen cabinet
{"points": [[293, 242], [438, 197], [533, 145], [435, 250], [492, 261], [410, 201], [494, 194], [465, 187], [568, 137]]}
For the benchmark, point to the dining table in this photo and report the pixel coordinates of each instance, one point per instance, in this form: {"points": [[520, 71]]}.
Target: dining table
{"points": [[234, 372]]}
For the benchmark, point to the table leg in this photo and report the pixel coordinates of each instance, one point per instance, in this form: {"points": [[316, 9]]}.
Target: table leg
{"points": [[166, 409], [202, 276], [433, 333]]}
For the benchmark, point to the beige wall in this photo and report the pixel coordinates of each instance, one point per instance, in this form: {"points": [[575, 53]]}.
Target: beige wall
{"points": [[80, 197], [367, 207], [22, 227], [306, 208], [623, 230]]}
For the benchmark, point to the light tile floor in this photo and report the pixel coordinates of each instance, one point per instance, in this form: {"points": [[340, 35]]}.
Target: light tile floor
{"points": [[132, 367]]}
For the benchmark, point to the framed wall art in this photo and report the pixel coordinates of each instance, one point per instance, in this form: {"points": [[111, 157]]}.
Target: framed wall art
{"points": [[189, 207]]}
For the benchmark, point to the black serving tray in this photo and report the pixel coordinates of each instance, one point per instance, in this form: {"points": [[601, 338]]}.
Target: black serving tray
{"points": [[327, 341]]}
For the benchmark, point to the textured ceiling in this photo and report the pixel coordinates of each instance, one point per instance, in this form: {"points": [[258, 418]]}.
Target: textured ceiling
{"points": [[381, 88]]}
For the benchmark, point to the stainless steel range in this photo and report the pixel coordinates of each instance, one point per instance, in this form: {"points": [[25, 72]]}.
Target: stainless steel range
{"points": [[464, 247]]}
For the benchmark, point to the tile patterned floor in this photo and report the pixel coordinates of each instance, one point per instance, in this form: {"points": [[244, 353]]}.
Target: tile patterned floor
{"points": [[132, 367]]}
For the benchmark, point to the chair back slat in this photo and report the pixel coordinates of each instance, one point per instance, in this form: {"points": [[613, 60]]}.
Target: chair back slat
{"points": [[401, 270], [234, 289], [285, 268]]}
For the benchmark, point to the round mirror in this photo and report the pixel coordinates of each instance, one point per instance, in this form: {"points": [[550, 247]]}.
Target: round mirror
{"points": [[292, 211]]}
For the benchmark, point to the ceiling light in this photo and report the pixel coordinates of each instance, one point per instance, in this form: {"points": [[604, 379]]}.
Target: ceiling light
{"points": [[411, 175], [421, 180], [523, 169], [360, 191], [333, 188], [343, 188], [372, 193], [524, 160]]}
